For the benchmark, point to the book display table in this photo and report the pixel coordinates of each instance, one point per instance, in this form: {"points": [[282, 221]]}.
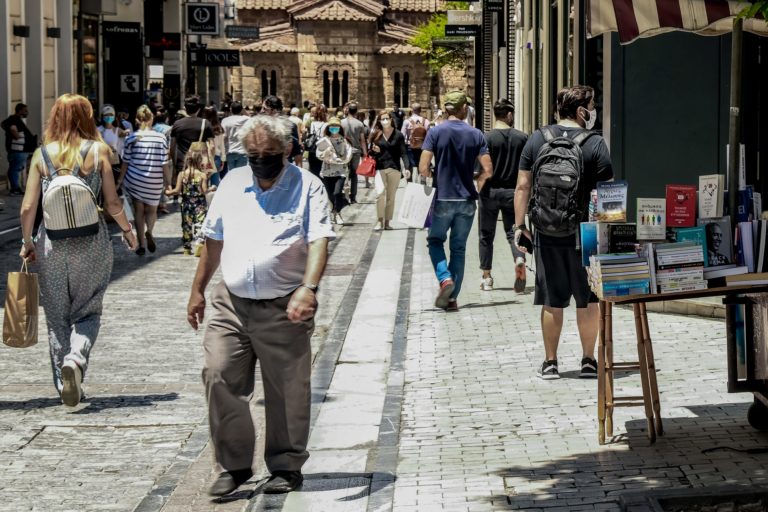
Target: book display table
{"points": [[751, 379]]}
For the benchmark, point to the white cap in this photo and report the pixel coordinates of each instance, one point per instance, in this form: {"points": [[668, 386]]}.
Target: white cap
{"points": [[294, 111]]}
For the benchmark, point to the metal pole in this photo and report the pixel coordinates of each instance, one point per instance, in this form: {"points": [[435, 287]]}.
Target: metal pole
{"points": [[734, 128]]}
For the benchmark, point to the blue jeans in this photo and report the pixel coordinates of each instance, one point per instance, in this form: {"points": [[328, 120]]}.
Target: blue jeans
{"points": [[456, 216], [17, 161], [235, 160]]}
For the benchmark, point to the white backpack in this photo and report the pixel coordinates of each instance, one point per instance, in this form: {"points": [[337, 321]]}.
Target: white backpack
{"points": [[70, 208]]}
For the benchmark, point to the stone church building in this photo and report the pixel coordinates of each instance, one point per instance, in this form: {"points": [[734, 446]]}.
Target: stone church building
{"points": [[334, 51]]}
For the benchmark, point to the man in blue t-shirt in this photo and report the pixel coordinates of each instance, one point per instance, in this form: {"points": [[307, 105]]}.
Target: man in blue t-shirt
{"points": [[457, 147]]}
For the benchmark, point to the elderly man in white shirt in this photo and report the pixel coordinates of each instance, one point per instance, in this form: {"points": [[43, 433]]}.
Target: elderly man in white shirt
{"points": [[268, 227]]}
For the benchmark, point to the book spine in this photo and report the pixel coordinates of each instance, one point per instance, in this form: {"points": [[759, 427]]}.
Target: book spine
{"points": [[630, 283], [688, 288], [667, 264]]}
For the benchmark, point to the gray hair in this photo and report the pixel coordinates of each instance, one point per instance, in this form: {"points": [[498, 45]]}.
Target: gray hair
{"points": [[277, 128]]}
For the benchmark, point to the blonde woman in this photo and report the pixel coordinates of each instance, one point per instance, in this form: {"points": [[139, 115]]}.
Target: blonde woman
{"points": [[192, 184], [142, 177], [74, 272]]}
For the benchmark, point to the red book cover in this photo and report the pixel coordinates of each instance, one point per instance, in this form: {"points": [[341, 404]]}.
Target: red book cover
{"points": [[681, 206]]}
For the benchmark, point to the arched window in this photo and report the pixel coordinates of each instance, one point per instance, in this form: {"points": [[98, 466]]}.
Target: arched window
{"points": [[268, 82], [397, 89], [264, 84], [402, 84], [326, 89], [345, 88], [335, 89]]}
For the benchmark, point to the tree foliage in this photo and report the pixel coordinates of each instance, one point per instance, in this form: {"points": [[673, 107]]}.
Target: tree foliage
{"points": [[440, 52], [758, 8]]}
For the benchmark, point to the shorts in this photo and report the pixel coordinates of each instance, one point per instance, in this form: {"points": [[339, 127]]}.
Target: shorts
{"points": [[560, 276]]}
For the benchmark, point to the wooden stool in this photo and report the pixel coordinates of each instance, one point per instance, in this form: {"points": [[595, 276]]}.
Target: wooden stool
{"points": [[606, 400]]}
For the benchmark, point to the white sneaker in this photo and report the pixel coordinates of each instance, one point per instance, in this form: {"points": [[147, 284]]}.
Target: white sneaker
{"points": [[486, 284], [339, 219], [71, 377], [378, 226]]}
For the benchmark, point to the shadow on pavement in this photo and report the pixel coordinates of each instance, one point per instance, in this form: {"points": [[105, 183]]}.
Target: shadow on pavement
{"points": [[35, 403], [678, 460], [100, 403], [475, 305]]}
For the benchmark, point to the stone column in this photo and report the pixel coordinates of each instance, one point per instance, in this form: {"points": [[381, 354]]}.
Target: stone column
{"points": [[33, 15], [65, 68]]}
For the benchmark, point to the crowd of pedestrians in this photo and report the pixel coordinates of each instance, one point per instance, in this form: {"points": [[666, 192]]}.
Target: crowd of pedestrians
{"points": [[272, 264]]}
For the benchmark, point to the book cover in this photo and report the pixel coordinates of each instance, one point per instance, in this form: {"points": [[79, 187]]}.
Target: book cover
{"points": [[715, 273], [696, 234], [612, 201], [711, 195], [588, 238], [719, 242], [622, 238], [757, 203], [745, 206], [681, 206], [651, 218], [745, 247]]}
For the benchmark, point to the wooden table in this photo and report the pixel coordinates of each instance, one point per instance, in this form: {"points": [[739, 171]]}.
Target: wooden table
{"points": [[606, 399]]}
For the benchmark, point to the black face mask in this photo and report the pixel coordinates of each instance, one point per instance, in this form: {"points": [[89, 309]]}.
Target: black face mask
{"points": [[266, 167]]}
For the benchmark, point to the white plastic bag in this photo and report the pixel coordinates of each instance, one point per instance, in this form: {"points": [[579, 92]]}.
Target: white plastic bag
{"points": [[128, 207], [416, 204], [378, 184]]}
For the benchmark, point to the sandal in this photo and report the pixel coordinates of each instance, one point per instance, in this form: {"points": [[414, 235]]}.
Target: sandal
{"points": [[140, 251]]}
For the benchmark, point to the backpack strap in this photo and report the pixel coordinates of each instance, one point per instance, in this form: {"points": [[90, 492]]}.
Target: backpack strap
{"points": [[202, 131], [548, 134], [83, 153], [581, 138], [48, 162]]}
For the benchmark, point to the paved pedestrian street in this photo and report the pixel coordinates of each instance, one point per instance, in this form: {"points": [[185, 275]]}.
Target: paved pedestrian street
{"points": [[414, 409]]}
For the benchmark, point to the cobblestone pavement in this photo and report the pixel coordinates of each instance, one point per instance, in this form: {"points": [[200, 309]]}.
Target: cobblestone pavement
{"points": [[425, 410]]}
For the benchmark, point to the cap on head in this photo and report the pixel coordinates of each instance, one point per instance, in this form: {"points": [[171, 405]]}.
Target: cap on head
{"points": [[455, 100], [334, 121], [107, 110], [294, 111]]}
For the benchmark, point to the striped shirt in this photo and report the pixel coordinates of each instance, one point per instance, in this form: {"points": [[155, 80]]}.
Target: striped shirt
{"points": [[145, 152]]}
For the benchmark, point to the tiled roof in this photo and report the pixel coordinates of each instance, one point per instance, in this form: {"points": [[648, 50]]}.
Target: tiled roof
{"points": [[398, 32], [415, 5], [400, 49], [336, 10], [263, 4], [267, 46]]}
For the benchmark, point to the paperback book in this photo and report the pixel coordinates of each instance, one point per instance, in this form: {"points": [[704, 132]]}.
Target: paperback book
{"points": [[711, 189], [612, 201], [697, 235], [681, 206], [651, 218], [719, 243]]}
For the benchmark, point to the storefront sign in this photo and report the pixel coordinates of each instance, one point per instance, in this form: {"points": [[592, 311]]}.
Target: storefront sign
{"points": [[218, 58], [462, 30], [465, 18], [242, 31], [203, 19], [493, 5], [121, 29], [130, 83]]}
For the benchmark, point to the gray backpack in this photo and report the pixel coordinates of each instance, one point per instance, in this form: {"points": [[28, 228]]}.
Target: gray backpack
{"points": [[557, 203]]}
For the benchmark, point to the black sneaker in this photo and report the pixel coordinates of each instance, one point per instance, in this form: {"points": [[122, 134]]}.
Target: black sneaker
{"points": [[548, 370], [588, 368]]}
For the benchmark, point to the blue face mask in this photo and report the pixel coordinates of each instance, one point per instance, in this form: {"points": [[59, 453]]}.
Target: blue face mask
{"points": [[333, 130], [109, 119]]}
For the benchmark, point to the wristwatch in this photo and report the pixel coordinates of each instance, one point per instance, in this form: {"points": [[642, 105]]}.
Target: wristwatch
{"points": [[311, 286]]}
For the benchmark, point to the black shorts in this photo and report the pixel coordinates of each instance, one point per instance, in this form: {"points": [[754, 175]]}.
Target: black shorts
{"points": [[560, 276]]}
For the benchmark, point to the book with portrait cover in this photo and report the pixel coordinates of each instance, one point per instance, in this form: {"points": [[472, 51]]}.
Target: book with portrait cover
{"points": [[612, 201], [719, 241], [711, 189], [651, 218], [681, 206]]}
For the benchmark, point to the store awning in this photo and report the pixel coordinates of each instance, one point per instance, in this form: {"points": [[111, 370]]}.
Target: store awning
{"points": [[633, 19]]}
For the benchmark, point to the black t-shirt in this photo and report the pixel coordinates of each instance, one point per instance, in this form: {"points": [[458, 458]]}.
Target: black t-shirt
{"points": [[186, 131], [27, 143], [597, 167], [505, 147]]}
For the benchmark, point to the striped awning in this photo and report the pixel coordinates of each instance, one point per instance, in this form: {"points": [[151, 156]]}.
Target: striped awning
{"points": [[645, 18]]}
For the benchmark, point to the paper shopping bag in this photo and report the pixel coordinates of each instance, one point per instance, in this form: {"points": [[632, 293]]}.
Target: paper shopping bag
{"points": [[21, 309], [417, 201], [128, 207]]}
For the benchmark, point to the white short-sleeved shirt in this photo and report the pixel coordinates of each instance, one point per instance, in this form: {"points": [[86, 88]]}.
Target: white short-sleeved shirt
{"points": [[266, 233]]}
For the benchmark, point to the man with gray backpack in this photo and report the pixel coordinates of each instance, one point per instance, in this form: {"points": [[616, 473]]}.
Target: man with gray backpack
{"points": [[559, 167]]}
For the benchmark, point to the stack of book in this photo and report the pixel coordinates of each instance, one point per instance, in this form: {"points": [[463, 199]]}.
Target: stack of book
{"points": [[680, 267], [616, 275]]}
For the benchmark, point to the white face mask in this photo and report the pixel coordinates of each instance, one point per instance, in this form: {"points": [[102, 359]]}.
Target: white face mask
{"points": [[385, 122], [590, 123]]}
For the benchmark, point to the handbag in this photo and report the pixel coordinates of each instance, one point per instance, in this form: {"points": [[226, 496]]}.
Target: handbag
{"points": [[417, 202], [367, 167], [22, 297]]}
